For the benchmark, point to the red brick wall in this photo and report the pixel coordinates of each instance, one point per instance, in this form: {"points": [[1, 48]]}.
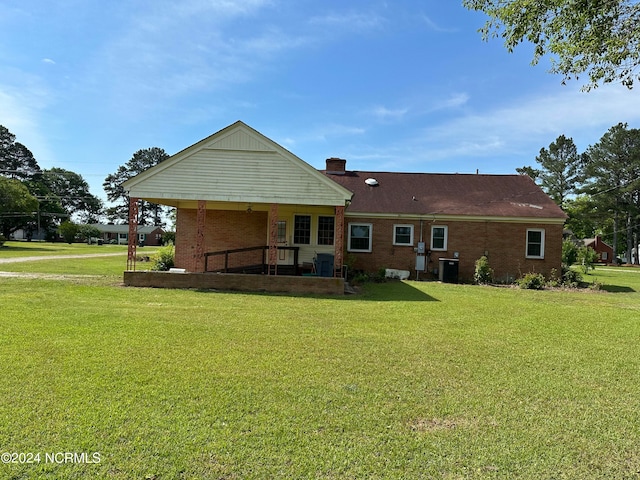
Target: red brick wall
{"points": [[152, 239], [505, 244], [224, 230]]}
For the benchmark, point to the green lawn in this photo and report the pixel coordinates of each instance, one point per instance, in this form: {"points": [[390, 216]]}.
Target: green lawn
{"points": [[32, 249], [406, 380]]}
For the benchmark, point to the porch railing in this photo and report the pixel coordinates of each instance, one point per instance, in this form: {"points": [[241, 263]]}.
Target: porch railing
{"points": [[243, 267]]}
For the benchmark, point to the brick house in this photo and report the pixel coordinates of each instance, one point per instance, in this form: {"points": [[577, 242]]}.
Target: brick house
{"points": [[147, 235], [507, 218], [604, 250], [244, 196]]}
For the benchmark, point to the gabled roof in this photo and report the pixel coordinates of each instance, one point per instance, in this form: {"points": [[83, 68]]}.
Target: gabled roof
{"points": [[596, 242], [422, 194], [236, 164]]}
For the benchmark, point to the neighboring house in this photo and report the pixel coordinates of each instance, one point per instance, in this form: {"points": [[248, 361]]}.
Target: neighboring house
{"points": [[22, 234], [604, 250], [147, 235], [237, 189]]}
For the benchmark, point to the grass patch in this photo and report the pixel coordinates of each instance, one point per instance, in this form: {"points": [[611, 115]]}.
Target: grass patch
{"points": [[477, 382], [110, 266], [615, 279], [13, 249]]}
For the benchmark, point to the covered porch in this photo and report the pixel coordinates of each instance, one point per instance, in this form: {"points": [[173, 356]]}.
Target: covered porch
{"points": [[298, 240], [245, 205], [216, 249]]}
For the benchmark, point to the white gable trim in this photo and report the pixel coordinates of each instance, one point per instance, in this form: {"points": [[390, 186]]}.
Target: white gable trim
{"points": [[237, 164]]}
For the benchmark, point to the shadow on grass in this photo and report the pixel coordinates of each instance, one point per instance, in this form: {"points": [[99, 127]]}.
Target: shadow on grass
{"points": [[7, 248], [617, 289], [393, 291]]}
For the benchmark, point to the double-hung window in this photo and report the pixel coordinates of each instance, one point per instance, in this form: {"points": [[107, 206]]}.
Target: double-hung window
{"points": [[439, 237], [403, 234], [326, 230], [360, 235], [535, 243], [302, 230]]}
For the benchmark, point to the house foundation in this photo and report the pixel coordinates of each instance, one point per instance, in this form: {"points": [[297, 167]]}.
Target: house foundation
{"points": [[236, 282]]}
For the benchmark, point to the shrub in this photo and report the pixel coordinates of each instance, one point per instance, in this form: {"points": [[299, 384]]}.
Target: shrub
{"points": [[569, 253], [51, 236], [554, 280], [87, 232], [483, 273], [380, 276], [69, 230], [2, 239], [571, 278], [587, 257], [164, 258], [359, 278], [531, 281], [168, 237]]}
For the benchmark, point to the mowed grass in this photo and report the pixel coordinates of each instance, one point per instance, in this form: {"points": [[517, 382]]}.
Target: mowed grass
{"points": [[13, 249], [111, 266], [406, 380]]}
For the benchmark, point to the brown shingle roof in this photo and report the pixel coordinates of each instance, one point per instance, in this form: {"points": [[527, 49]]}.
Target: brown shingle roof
{"points": [[448, 194]]}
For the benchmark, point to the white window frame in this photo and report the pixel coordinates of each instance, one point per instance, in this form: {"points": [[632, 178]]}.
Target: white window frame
{"points": [[410, 227], [357, 224], [446, 238], [527, 243]]}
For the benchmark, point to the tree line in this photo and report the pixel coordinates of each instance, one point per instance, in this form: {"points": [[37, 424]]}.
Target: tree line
{"points": [[35, 199], [599, 189], [38, 200]]}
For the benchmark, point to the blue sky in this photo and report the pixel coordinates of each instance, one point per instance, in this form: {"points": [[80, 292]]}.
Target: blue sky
{"points": [[391, 86]]}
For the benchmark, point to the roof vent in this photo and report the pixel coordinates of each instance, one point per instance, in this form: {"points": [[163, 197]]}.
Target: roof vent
{"points": [[372, 182]]}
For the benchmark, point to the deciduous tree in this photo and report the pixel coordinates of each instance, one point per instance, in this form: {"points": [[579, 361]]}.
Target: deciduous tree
{"points": [[16, 205], [599, 38], [69, 230], [72, 192]]}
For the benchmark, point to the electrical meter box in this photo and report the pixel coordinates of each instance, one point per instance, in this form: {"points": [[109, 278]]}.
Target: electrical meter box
{"points": [[421, 248]]}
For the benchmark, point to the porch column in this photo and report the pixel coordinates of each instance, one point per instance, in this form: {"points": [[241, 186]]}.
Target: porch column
{"points": [[339, 247], [201, 221], [272, 268], [133, 233]]}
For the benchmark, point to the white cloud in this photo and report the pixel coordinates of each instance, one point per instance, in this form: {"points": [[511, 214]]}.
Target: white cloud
{"points": [[48, 61], [434, 26], [537, 121], [351, 21], [386, 114], [185, 48], [454, 101]]}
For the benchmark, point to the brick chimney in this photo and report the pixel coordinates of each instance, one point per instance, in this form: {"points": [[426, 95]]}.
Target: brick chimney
{"points": [[336, 166]]}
